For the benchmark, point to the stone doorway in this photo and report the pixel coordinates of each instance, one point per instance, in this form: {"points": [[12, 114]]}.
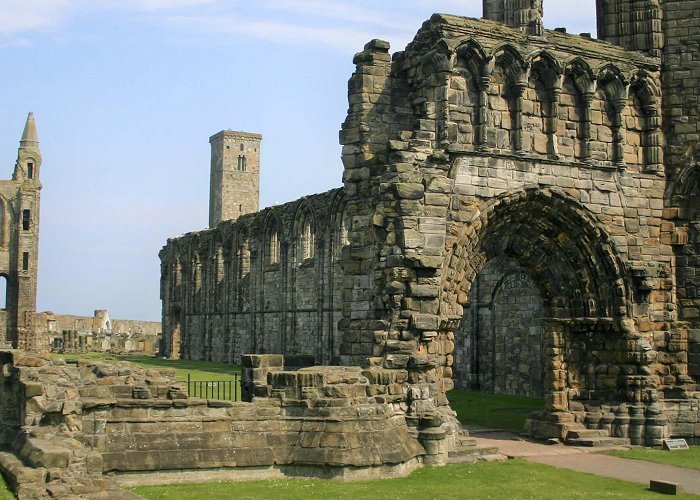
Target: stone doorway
{"points": [[533, 268], [175, 325], [499, 346]]}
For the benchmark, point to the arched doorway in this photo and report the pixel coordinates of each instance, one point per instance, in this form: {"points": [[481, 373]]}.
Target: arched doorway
{"points": [[536, 283], [499, 346], [175, 332]]}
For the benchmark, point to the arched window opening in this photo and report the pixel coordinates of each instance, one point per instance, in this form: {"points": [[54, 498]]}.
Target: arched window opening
{"points": [[308, 241], [30, 170], [3, 292], [243, 259], [242, 163], [273, 248]]}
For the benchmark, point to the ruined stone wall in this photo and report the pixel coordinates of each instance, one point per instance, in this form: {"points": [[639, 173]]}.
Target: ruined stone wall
{"points": [[99, 333], [267, 283], [486, 143], [481, 149], [63, 427], [681, 25]]}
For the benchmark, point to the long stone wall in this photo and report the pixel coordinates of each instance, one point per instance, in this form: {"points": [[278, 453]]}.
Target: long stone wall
{"points": [[269, 282]]}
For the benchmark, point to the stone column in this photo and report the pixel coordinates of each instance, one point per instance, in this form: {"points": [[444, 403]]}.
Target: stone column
{"points": [[482, 88], [618, 133], [654, 150], [553, 123], [556, 397]]}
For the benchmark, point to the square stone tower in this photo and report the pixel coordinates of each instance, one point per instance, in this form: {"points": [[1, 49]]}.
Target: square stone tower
{"points": [[235, 175]]}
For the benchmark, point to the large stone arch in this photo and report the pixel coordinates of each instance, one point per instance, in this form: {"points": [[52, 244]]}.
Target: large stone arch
{"points": [[552, 235], [568, 254], [683, 195]]}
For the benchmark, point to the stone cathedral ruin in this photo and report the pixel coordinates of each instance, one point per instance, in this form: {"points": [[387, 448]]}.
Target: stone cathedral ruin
{"points": [[519, 214]]}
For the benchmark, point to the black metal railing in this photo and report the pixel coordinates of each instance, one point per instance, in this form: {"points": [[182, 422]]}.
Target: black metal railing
{"points": [[227, 390]]}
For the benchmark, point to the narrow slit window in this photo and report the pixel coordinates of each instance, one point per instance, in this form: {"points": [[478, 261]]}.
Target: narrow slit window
{"points": [[25, 261], [26, 220], [274, 248], [30, 170], [3, 292], [241, 163]]}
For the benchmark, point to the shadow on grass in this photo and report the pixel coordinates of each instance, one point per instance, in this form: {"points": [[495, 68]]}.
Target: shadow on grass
{"points": [[494, 411]]}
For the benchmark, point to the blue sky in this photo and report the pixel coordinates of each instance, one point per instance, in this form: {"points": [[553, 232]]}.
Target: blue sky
{"points": [[127, 92]]}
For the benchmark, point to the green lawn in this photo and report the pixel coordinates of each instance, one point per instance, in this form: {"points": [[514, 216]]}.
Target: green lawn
{"points": [[494, 411], [5, 492], [513, 479], [681, 458]]}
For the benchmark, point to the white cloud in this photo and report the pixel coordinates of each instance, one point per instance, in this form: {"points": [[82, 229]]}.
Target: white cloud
{"points": [[340, 24], [279, 32], [18, 16]]}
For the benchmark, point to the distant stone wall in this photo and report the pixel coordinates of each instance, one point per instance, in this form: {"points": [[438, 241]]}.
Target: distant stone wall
{"points": [[70, 333], [269, 282]]}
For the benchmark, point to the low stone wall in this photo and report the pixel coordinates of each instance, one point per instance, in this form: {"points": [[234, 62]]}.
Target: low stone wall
{"points": [[72, 424], [684, 418]]}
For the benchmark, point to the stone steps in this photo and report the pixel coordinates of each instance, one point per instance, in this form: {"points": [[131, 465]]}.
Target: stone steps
{"points": [[474, 454], [466, 451], [593, 438]]}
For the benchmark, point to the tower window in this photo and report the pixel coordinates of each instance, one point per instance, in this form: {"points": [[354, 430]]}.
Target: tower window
{"points": [[25, 261], [30, 170], [26, 218], [241, 163], [242, 147]]}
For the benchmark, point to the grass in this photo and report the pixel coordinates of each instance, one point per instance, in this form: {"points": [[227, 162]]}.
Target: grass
{"points": [[689, 458], [494, 411], [514, 479], [5, 492]]}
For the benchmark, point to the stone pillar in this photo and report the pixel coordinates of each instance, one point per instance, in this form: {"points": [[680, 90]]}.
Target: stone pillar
{"points": [[553, 123], [587, 99], [556, 397], [618, 132], [653, 143], [482, 88]]}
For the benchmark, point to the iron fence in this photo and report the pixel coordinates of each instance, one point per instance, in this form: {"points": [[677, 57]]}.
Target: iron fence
{"points": [[227, 390]]}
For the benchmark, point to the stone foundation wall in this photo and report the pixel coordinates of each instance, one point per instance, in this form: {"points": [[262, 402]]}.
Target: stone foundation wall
{"points": [[71, 424]]}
